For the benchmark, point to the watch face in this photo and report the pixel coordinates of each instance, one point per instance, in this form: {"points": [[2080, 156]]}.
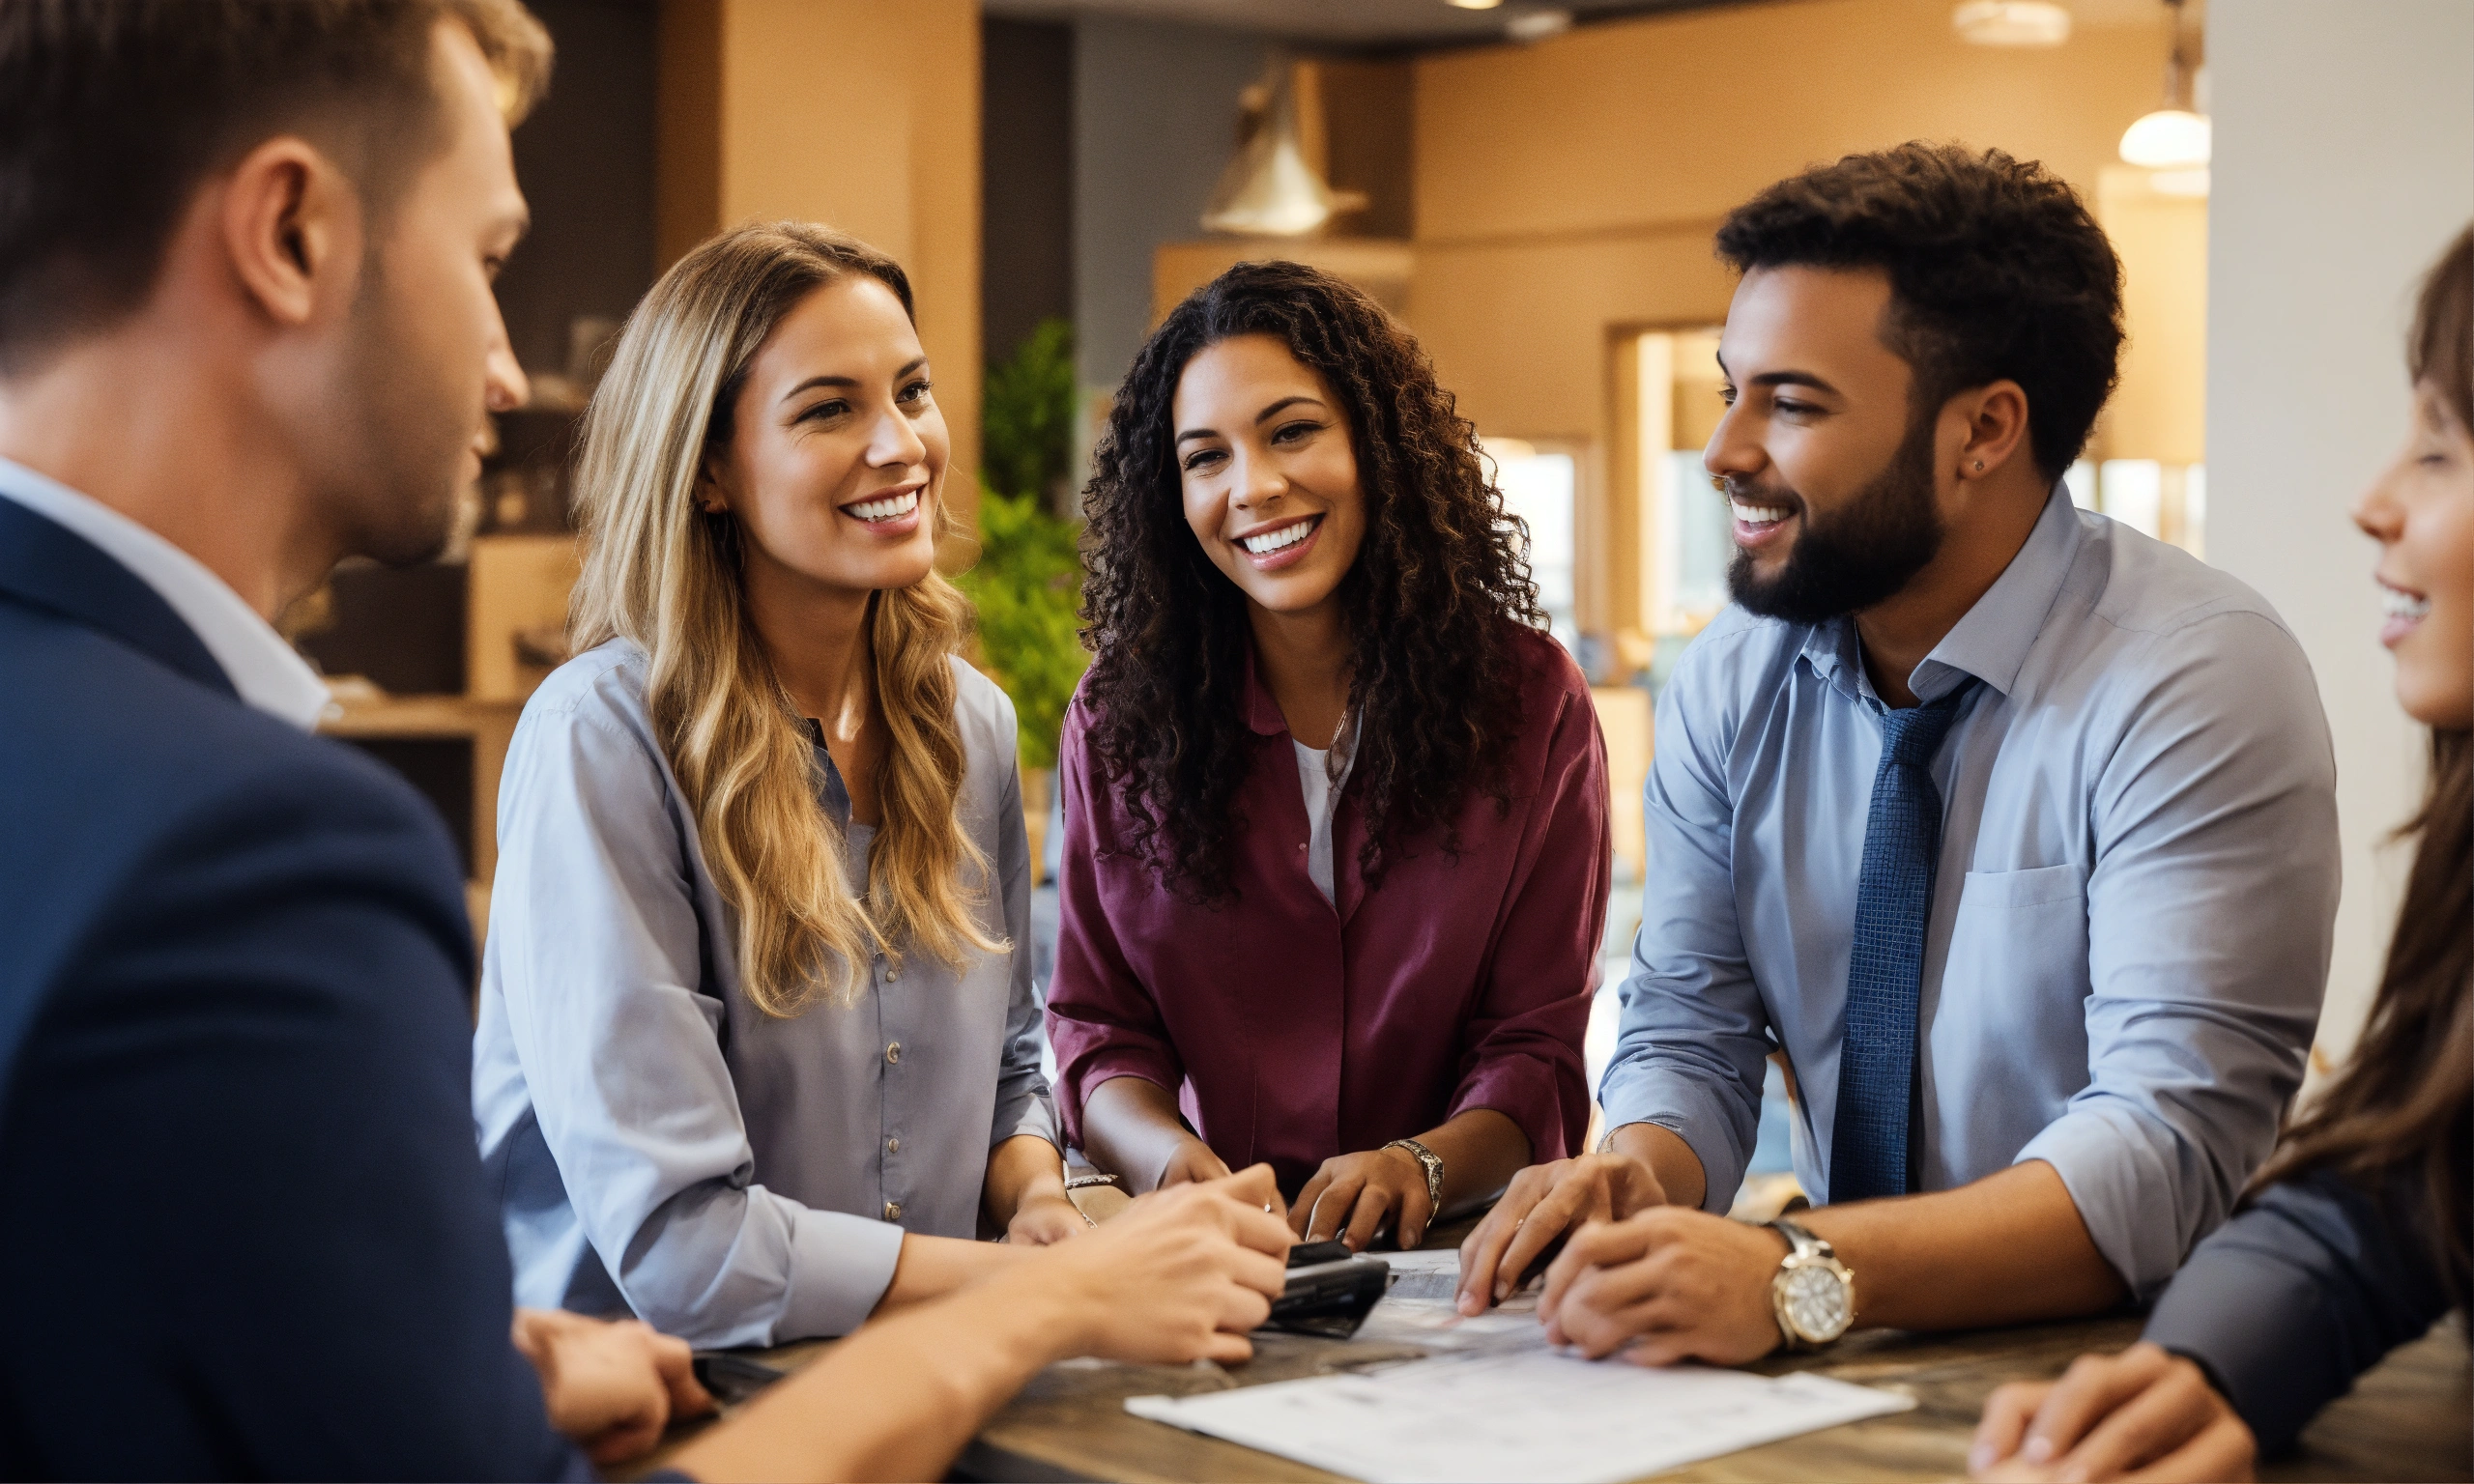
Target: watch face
{"points": [[1816, 1301]]}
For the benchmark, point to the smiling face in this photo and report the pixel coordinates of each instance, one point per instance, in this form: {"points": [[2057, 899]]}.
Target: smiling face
{"points": [[1269, 473], [836, 461], [1828, 472], [2420, 511]]}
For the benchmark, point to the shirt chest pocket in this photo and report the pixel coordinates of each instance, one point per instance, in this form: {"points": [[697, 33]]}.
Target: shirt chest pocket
{"points": [[2019, 942]]}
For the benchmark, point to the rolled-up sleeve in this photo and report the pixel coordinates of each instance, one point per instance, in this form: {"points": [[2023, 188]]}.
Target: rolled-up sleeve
{"points": [[598, 946], [1693, 1032], [2211, 906], [2299, 1295], [1102, 1022], [1522, 1043], [1024, 1105]]}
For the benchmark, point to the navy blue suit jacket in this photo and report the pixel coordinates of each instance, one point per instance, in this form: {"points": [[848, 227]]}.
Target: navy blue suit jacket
{"points": [[243, 1229]]}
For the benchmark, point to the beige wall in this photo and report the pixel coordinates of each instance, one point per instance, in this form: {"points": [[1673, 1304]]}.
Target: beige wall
{"points": [[1568, 187], [856, 113]]}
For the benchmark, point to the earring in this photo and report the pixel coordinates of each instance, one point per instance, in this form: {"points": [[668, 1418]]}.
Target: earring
{"points": [[1979, 466]]}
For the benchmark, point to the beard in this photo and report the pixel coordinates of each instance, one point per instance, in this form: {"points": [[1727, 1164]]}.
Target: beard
{"points": [[396, 504], [1862, 553]]}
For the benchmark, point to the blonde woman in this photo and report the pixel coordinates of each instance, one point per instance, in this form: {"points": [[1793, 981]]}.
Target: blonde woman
{"points": [[757, 1050]]}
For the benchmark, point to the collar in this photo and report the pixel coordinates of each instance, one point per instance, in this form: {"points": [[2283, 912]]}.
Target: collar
{"points": [[1991, 641], [255, 662]]}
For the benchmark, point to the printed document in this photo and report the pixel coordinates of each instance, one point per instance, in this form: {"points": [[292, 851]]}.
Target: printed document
{"points": [[1530, 1413]]}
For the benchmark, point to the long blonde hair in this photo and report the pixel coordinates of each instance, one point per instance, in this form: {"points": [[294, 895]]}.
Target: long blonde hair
{"points": [[662, 574]]}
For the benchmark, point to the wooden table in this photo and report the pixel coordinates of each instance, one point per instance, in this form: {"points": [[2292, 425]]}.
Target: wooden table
{"points": [[2408, 1420]]}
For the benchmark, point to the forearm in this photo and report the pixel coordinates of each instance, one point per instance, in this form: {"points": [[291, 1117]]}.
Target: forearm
{"points": [[1671, 1159], [932, 1267], [898, 1399], [1020, 1169], [2006, 1249], [1481, 1150], [1129, 1126]]}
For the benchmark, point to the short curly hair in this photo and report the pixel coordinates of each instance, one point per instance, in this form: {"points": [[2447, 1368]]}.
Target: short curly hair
{"points": [[1431, 603], [1997, 269]]}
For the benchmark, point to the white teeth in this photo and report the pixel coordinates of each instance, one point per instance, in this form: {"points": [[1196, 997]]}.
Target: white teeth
{"points": [[1274, 540], [1756, 515], [2403, 605], [886, 509]]}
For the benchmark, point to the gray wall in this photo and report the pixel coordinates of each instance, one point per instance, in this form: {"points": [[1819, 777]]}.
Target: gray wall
{"points": [[1155, 121], [2345, 162], [1026, 181]]}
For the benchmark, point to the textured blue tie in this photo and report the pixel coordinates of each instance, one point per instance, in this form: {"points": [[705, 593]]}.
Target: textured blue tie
{"points": [[1893, 900]]}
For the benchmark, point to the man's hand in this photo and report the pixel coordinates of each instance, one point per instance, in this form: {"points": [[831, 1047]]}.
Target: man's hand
{"points": [[1045, 1218], [611, 1388], [1542, 1203], [2143, 1414], [1350, 1195], [1668, 1283], [1192, 1162], [1182, 1275]]}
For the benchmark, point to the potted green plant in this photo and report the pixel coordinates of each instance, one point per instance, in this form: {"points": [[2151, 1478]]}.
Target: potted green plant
{"points": [[1027, 582]]}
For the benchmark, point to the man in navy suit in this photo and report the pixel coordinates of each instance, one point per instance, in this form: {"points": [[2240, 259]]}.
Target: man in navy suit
{"points": [[247, 329]]}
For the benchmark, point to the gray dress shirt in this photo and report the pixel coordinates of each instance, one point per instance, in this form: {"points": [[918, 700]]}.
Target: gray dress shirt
{"points": [[660, 1146], [2131, 919]]}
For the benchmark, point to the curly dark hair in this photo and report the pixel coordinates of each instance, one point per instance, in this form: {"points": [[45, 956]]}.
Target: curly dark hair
{"points": [[1997, 271], [1430, 602]]}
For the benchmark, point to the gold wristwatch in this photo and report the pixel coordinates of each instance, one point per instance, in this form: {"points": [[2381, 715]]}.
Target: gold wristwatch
{"points": [[1430, 1163], [1813, 1294]]}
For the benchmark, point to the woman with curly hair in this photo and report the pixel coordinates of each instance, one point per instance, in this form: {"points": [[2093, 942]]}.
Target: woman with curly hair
{"points": [[1335, 808], [757, 1050]]}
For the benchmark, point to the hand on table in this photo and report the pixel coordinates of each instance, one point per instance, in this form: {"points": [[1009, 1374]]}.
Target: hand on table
{"points": [[1192, 1162], [1181, 1275], [1043, 1219], [611, 1388], [2143, 1414], [1666, 1285], [1351, 1194], [1542, 1203]]}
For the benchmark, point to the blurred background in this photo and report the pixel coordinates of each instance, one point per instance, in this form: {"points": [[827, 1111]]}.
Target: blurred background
{"points": [[1531, 189]]}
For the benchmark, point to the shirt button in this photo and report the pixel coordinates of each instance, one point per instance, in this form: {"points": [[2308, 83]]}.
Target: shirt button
{"points": [[893, 1145], [893, 1054], [891, 975], [893, 1211]]}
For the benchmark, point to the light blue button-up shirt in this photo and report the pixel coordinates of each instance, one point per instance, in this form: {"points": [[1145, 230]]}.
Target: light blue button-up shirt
{"points": [[2131, 919], [661, 1146]]}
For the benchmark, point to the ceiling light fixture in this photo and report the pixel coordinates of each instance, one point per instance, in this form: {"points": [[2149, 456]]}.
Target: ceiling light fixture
{"points": [[1475, 5], [2012, 23], [1537, 26], [2176, 136]]}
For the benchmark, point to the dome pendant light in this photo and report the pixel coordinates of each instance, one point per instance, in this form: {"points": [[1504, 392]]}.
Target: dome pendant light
{"points": [[2175, 136]]}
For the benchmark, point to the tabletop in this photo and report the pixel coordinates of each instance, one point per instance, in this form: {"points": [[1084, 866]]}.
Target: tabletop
{"points": [[2407, 1420]]}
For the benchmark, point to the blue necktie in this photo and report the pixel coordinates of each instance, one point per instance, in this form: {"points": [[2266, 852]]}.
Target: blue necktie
{"points": [[1893, 900]]}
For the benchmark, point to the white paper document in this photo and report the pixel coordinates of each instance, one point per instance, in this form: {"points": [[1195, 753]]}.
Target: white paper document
{"points": [[1530, 1413], [1419, 1309]]}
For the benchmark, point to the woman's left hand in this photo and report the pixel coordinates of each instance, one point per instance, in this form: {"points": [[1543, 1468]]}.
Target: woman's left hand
{"points": [[1044, 1217], [1351, 1194], [2144, 1413]]}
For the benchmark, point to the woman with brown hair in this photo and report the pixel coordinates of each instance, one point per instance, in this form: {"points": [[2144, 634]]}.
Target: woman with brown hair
{"points": [[2357, 1234], [1335, 808], [758, 1051]]}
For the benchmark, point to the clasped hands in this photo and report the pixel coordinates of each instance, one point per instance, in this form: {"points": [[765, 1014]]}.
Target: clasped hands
{"points": [[1637, 1278]]}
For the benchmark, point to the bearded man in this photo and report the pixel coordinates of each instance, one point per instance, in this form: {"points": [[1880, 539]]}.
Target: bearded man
{"points": [[2011, 830]]}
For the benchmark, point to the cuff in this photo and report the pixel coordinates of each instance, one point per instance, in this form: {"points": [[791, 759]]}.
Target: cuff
{"points": [[1528, 1091], [1032, 1112], [2126, 1196], [1717, 1128], [840, 1265]]}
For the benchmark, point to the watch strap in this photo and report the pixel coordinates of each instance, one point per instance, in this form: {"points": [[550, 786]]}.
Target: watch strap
{"points": [[1430, 1163]]}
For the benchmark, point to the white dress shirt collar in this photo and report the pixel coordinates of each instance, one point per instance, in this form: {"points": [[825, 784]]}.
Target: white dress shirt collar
{"points": [[265, 671]]}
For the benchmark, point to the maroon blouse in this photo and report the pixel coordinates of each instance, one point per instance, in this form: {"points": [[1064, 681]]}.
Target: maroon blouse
{"points": [[1292, 1032]]}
